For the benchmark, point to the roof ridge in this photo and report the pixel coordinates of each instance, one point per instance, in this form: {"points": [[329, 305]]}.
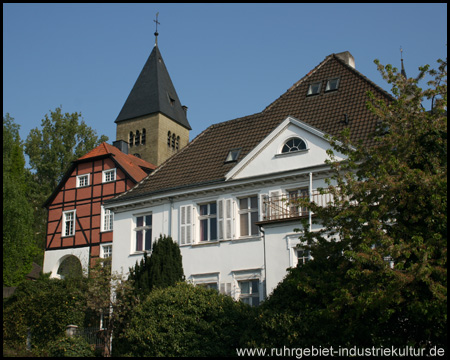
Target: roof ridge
{"points": [[365, 78]]}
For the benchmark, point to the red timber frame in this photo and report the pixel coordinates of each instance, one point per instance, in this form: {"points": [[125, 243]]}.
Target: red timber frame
{"points": [[87, 202]]}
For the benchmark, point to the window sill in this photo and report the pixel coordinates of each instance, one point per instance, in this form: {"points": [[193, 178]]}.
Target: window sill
{"points": [[292, 153]]}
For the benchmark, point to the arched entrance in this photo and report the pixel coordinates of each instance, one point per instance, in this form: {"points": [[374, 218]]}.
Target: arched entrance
{"points": [[70, 267]]}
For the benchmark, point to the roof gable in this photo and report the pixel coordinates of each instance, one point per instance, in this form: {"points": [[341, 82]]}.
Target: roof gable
{"points": [[154, 92], [137, 169], [267, 156]]}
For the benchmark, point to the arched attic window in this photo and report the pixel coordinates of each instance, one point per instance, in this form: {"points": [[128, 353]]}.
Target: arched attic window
{"points": [[293, 145]]}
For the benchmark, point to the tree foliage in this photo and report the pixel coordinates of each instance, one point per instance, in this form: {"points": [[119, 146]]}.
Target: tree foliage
{"points": [[110, 298], [19, 248], [162, 269], [62, 138], [186, 320], [45, 307], [379, 274]]}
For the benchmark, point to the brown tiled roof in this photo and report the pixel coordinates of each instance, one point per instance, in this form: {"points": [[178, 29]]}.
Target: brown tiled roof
{"points": [[203, 160]]}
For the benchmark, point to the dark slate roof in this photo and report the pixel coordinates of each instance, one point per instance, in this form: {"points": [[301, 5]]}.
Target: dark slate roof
{"points": [[154, 92], [202, 160]]}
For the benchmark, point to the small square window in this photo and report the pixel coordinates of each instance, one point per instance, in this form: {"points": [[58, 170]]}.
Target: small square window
{"points": [[332, 84], [233, 155], [314, 88], [109, 175], [83, 180]]}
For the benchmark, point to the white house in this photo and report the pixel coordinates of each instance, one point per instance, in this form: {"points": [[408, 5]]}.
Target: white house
{"points": [[223, 197]]}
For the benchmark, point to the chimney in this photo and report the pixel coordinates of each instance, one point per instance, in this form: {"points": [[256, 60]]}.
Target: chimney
{"points": [[121, 145], [347, 58]]}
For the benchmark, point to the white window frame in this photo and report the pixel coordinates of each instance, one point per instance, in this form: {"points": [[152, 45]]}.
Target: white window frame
{"points": [[144, 228], [306, 255], [106, 254], [65, 215], [107, 220], [248, 211], [80, 179], [106, 174], [207, 218]]}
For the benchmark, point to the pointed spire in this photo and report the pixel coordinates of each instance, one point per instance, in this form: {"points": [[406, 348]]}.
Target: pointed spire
{"points": [[403, 68], [156, 32]]}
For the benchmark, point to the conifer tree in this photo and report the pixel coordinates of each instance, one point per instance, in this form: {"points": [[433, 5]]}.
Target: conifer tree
{"points": [[162, 269]]}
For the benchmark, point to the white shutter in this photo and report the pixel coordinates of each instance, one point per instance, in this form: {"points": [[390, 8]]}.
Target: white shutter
{"points": [[185, 224], [220, 219], [228, 219]]}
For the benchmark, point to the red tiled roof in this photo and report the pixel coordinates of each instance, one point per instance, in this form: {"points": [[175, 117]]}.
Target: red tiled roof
{"points": [[130, 163], [203, 159]]}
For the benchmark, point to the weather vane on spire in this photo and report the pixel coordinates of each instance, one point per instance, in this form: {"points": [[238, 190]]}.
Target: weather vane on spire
{"points": [[156, 32], [403, 72]]}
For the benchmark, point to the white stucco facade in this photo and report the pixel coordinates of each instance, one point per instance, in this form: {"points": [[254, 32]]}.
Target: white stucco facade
{"points": [[239, 257]]}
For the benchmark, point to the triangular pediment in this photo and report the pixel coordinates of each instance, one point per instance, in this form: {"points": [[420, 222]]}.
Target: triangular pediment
{"points": [[268, 156]]}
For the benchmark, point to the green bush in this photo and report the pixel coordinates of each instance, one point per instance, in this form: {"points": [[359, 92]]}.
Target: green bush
{"points": [[45, 307], [184, 320], [70, 347]]}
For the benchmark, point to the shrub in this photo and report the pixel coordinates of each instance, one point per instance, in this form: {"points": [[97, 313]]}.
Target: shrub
{"points": [[74, 346], [184, 320]]}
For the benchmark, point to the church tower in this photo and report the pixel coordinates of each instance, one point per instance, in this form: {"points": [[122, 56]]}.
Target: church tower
{"points": [[152, 121]]}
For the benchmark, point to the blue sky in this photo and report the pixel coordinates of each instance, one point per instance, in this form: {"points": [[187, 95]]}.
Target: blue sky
{"points": [[225, 60]]}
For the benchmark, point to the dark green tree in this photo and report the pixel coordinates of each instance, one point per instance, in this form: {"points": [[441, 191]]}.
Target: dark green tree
{"points": [[19, 247], [162, 269], [62, 138], [379, 274]]}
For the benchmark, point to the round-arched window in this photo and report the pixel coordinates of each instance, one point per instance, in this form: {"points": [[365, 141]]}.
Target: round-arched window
{"points": [[293, 144], [70, 267]]}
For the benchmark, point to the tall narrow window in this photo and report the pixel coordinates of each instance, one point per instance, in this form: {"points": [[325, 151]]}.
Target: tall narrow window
{"points": [[177, 143], [173, 141], [131, 140], [169, 137], [138, 138], [143, 138], [143, 232], [208, 222], [68, 228], [248, 216], [107, 219]]}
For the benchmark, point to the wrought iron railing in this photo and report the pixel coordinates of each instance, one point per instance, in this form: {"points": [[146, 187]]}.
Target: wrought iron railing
{"points": [[287, 206]]}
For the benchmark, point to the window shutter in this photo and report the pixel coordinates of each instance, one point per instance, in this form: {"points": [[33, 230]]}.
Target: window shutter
{"points": [[228, 218], [185, 224]]}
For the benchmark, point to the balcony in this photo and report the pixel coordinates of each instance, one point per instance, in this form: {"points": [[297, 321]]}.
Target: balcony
{"points": [[285, 207]]}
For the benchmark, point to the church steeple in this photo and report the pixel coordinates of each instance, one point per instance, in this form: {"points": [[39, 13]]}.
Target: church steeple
{"points": [[152, 121]]}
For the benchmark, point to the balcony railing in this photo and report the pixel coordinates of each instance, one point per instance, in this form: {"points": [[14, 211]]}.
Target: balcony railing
{"points": [[286, 206]]}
